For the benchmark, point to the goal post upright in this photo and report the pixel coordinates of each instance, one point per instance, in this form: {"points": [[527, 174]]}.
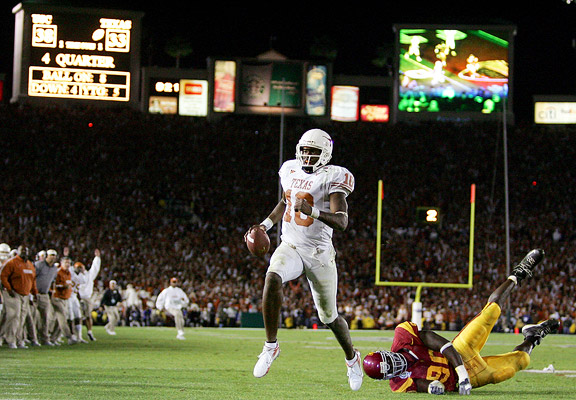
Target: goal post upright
{"points": [[417, 304], [379, 228]]}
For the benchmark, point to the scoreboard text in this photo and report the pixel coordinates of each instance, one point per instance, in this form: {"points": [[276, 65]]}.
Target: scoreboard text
{"points": [[77, 53], [85, 68]]}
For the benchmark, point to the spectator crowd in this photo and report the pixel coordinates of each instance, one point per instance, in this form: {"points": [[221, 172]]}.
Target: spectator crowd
{"points": [[167, 196]]}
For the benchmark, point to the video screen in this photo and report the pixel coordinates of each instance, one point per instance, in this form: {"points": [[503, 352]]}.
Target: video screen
{"points": [[453, 70]]}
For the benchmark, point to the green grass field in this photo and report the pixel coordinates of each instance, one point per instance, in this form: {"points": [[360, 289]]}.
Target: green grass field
{"points": [[149, 363]]}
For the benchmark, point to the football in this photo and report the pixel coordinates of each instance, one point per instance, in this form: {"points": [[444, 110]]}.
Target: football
{"points": [[258, 242]]}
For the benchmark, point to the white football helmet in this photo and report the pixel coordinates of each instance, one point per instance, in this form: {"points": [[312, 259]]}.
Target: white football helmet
{"points": [[4, 252], [318, 139]]}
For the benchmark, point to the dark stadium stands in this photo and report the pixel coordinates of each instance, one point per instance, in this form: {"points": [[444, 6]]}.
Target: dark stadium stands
{"points": [[166, 196]]}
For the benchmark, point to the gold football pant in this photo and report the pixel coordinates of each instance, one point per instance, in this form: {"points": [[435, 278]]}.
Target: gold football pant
{"points": [[470, 341]]}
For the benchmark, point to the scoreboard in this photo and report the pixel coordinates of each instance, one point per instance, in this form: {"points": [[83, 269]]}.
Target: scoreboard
{"points": [[76, 54]]}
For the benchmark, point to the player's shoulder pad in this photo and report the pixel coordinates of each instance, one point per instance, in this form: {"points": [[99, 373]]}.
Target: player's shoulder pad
{"points": [[340, 178], [289, 166], [409, 327]]}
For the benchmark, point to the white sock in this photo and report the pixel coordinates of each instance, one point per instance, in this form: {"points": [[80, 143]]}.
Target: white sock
{"points": [[272, 345], [79, 330], [352, 361]]}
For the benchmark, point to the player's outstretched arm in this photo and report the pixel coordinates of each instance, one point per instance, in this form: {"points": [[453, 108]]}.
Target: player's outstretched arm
{"points": [[437, 343]]}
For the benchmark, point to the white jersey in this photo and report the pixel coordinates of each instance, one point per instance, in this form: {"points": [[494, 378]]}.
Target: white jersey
{"points": [[76, 280], [86, 289], [172, 297], [299, 229]]}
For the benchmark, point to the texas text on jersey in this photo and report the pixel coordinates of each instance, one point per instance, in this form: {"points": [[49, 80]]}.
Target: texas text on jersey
{"points": [[316, 187]]}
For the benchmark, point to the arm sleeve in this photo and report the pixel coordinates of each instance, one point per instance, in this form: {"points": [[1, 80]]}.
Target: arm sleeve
{"points": [[160, 300], [186, 300], [6, 271], [104, 299], [406, 335], [95, 268], [341, 181], [34, 289]]}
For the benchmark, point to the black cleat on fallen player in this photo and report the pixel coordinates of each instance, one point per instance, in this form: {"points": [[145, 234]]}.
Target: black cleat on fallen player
{"points": [[526, 267], [536, 333]]}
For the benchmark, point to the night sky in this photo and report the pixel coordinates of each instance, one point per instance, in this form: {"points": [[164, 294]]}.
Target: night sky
{"points": [[544, 50]]}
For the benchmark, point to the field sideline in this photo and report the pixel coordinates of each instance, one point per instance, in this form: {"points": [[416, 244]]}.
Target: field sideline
{"points": [[149, 363]]}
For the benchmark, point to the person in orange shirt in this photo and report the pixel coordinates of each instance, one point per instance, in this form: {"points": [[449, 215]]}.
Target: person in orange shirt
{"points": [[19, 280], [65, 279]]}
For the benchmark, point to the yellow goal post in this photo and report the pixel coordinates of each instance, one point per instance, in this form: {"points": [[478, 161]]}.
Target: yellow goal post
{"points": [[417, 304]]}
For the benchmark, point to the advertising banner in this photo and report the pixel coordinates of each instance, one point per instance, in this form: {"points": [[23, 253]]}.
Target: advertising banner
{"points": [[316, 90], [193, 100], [224, 86], [345, 101], [554, 112], [271, 84]]}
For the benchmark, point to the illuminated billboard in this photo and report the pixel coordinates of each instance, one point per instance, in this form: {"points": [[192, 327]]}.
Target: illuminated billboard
{"points": [[163, 98], [274, 84], [316, 84], [269, 86], [555, 112], [224, 86], [345, 101], [76, 53], [457, 70], [193, 99], [374, 113]]}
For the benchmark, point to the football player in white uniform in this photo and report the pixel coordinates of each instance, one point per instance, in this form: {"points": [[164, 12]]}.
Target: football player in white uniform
{"points": [[312, 206], [79, 277], [85, 292]]}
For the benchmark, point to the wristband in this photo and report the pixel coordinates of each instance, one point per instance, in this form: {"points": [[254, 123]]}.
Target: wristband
{"points": [[449, 344], [315, 213], [267, 223], [462, 373]]}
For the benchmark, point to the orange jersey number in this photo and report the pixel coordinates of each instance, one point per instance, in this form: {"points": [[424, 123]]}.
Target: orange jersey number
{"points": [[298, 216]]}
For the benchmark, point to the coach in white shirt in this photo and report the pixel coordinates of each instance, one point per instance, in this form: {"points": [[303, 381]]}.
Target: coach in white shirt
{"points": [[173, 299]]}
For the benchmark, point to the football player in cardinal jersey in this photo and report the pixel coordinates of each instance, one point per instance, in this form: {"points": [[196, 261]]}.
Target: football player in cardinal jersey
{"points": [[313, 205], [423, 361]]}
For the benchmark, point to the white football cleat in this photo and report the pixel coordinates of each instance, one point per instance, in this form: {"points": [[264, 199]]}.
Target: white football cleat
{"points": [[265, 359], [355, 374], [180, 335]]}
